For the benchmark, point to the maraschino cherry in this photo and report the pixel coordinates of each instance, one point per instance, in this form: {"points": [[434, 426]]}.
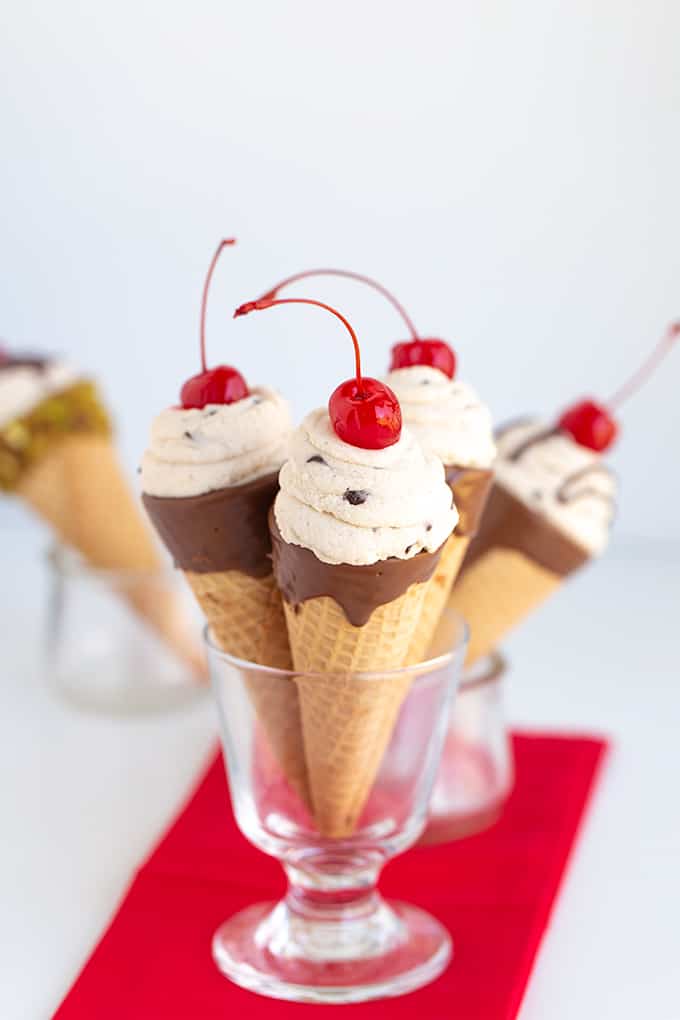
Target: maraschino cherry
{"points": [[591, 424], [416, 351], [364, 412], [221, 385]]}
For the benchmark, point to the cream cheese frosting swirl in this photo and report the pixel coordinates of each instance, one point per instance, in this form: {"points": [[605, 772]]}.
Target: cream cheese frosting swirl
{"points": [[204, 449], [446, 415], [558, 478], [356, 506], [25, 383]]}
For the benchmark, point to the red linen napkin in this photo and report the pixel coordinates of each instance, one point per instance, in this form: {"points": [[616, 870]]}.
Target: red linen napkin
{"points": [[494, 892]]}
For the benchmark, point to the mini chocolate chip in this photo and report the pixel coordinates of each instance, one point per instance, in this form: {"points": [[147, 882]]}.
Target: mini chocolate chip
{"points": [[316, 459], [188, 435], [355, 496], [425, 382], [257, 400], [211, 413], [408, 548], [428, 527]]}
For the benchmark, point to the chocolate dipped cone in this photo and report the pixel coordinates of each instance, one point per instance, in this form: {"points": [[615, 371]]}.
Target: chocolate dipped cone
{"points": [[209, 477], [347, 721], [357, 531]]}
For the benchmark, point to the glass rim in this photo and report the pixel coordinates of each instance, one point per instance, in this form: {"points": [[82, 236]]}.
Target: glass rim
{"points": [[496, 668], [416, 670], [68, 562]]}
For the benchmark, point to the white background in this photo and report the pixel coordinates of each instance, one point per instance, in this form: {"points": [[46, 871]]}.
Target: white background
{"points": [[511, 170]]}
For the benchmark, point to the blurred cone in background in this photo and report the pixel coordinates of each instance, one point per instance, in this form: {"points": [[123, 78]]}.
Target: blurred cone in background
{"points": [[67, 471]]}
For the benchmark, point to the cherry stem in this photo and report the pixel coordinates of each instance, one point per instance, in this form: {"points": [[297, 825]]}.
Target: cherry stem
{"points": [[642, 374], [269, 302], [349, 275], [206, 287]]}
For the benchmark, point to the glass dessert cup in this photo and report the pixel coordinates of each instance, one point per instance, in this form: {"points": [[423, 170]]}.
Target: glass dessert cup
{"points": [[103, 652], [475, 775], [333, 938]]}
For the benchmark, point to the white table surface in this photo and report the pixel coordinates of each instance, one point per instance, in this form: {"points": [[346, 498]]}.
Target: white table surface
{"points": [[84, 797]]}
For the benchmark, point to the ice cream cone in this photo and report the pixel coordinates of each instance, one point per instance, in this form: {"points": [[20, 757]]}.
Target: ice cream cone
{"points": [[64, 466], [347, 722]]}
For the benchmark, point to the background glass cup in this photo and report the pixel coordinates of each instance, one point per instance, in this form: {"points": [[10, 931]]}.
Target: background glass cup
{"points": [[120, 641], [332, 938], [476, 773]]}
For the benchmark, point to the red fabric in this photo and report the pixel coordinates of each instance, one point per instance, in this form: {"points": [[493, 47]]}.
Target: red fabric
{"points": [[494, 891]]}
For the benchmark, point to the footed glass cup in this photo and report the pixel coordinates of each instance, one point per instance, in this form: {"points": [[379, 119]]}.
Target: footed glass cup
{"points": [[332, 938]]}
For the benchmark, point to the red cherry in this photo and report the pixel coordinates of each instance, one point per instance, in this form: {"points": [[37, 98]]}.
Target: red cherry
{"points": [[221, 385], [590, 424], [435, 353], [363, 412]]}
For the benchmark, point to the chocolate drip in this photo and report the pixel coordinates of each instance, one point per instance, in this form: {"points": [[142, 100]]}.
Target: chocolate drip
{"points": [[358, 590], [508, 426], [8, 361], [221, 530], [471, 488], [534, 440], [564, 495], [508, 523]]}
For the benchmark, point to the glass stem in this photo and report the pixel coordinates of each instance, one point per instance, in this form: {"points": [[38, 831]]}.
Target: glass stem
{"points": [[332, 910]]}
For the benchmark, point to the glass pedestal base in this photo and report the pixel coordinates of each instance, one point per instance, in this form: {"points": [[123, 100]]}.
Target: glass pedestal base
{"points": [[385, 950]]}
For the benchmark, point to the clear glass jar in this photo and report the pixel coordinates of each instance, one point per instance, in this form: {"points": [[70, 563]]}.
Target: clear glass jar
{"points": [[122, 642], [333, 804], [476, 773]]}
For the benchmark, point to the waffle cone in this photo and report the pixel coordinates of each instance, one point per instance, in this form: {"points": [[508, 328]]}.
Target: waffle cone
{"points": [[81, 491], [246, 617], [347, 723], [494, 594], [437, 594]]}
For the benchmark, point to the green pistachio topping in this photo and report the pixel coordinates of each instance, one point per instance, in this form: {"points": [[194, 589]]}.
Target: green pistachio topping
{"points": [[25, 440]]}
